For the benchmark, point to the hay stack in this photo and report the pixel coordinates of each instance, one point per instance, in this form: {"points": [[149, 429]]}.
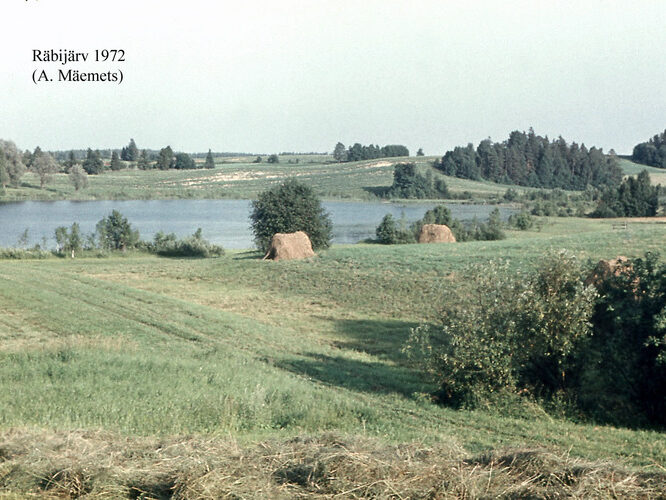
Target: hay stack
{"points": [[286, 246], [436, 233], [607, 268]]}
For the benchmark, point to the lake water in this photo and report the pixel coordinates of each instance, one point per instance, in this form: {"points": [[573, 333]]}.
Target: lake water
{"points": [[224, 222]]}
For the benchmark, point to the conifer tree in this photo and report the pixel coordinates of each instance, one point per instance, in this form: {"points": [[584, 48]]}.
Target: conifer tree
{"points": [[115, 162], [210, 162]]}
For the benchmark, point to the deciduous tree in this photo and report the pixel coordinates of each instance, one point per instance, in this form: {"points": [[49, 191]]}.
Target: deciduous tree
{"points": [[287, 208]]}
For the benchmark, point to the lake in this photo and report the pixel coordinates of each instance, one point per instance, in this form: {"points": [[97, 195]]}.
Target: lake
{"points": [[224, 222]]}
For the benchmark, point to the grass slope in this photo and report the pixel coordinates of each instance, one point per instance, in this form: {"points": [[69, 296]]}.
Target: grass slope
{"points": [[238, 178], [137, 348]]}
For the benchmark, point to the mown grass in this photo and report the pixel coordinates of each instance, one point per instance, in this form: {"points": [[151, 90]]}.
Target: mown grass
{"points": [[243, 349]]}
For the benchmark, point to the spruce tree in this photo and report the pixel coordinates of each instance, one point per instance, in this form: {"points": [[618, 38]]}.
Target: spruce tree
{"points": [[210, 162], [115, 162]]}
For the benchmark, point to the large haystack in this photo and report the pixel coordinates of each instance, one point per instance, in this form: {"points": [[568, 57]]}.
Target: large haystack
{"points": [[286, 246], [607, 268], [436, 233]]}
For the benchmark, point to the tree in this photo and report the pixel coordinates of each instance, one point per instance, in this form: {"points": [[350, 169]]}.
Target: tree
{"points": [[69, 242], [78, 177], [44, 166], [409, 183], [287, 208], [635, 197], [652, 152], [388, 232], [35, 154], [70, 162], [132, 151], [273, 159], [116, 233], [115, 162], [13, 161], [340, 152], [165, 160], [4, 175], [210, 162], [184, 162], [93, 163], [143, 163], [420, 152]]}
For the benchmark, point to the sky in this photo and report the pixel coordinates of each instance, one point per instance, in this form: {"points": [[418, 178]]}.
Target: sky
{"points": [[296, 75]]}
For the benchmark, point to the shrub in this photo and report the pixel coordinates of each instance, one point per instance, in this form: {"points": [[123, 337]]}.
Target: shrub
{"points": [[116, 233], [287, 208], [522, 221], [623, 372], [516, 334], [388, 232], [169, 245], [69, 242]]}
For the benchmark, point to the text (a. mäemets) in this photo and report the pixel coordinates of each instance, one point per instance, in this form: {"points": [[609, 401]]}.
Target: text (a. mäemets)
{"points": [[64, 56]]}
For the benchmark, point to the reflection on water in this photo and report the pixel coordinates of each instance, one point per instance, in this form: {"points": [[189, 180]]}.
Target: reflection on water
{"points": [[224, 222]]}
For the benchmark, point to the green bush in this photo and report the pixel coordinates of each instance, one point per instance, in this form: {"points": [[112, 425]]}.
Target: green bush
{"points": [[169, 245], [623, 371], [522, 221], [114, 232], [514, 334], [388, 232], [23, 253], [287, 208]]}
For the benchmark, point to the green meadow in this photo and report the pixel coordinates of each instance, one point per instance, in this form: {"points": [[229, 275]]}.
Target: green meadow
{"points": [[235, 348], [239, 178], [137, 376]]}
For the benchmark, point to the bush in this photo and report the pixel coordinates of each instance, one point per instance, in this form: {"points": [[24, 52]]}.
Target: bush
{"points": [[288, 208], [522, 221], [516, 334], [623, 372], [388, 232], [169, 245], [116, 233], [69, 242]]}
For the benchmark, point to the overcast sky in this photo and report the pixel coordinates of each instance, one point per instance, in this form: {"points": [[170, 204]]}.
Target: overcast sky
{"points": [[288, 75]]}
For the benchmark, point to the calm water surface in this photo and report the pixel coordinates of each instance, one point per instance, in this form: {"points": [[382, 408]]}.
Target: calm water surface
{"points": [[225, 222]]}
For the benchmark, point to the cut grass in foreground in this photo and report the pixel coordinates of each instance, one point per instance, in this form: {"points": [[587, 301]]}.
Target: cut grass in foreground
{"points": [[235, 350], [102, 465]]}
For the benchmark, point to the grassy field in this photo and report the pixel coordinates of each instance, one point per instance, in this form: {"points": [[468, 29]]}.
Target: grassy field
{"points": [[238, 178], [293, 365]]}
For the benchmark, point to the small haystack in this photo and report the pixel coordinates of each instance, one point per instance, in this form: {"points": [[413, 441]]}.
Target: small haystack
{"points": [[436, 233], [286, 246], [607, 268]]}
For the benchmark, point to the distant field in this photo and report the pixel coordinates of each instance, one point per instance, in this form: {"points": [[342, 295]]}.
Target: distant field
{"points": [[238, 178]]}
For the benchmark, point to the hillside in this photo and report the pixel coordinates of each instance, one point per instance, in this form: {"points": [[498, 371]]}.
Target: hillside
{"points": [[239, 178], [213, 352]]}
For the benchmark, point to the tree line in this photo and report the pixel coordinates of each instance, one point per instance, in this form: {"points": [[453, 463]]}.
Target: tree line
{"points": [[527, 159], [652, 152], [115, 233], [14, 163], [634, 197], [358, 152]]}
